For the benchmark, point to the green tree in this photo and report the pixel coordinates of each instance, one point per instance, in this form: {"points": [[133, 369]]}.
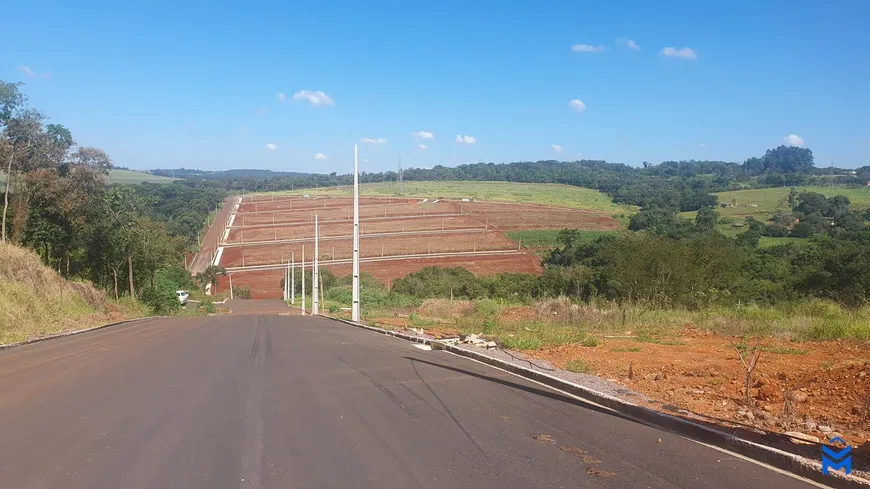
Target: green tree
{"points": [[706, 219]]}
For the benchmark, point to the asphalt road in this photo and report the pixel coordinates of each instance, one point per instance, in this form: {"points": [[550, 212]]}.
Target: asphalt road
{"points": [[285, 402]]}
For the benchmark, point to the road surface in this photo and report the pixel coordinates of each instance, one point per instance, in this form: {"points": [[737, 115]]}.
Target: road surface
{"points": [[285, 402]]}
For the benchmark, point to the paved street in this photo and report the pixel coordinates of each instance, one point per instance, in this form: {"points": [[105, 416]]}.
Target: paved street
{"points": [[284, 402]]}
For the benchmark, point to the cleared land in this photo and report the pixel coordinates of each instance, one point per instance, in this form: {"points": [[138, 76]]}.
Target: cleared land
{"points": [[397, 235], [687, 360], [526, 193], [266, 284]]}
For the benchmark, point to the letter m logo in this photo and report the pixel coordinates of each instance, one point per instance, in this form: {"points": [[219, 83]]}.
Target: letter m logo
{"points": [[836, 460]]}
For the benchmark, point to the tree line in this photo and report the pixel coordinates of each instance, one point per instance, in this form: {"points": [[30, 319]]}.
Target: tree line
{"points": [[129, 240], [679, 185]]}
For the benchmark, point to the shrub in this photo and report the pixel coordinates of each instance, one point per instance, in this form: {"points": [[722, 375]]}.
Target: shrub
{"points": [[241, 292], [486, 308], [161, 298]]}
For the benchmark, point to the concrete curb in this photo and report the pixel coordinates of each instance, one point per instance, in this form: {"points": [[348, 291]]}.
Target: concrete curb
{"points": [[71, 333], [789, 462]]}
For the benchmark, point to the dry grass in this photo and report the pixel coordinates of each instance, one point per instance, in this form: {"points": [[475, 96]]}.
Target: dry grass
{"points": [[35, 301]]}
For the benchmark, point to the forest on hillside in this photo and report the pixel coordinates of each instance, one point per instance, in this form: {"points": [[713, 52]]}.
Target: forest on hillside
{"points": [[57, 201]]}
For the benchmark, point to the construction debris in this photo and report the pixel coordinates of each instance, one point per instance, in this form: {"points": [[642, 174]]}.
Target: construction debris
{"points": [[472, 340]]}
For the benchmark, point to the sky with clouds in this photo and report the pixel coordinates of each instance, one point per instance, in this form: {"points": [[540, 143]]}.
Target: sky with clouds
{"points": [[292, 86]]}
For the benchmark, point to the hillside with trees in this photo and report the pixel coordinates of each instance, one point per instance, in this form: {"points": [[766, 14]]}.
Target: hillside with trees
{"points": [[129, 240]]}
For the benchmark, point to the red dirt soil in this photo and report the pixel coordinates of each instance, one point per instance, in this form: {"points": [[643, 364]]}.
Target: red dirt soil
{"points": [[293, 219], [829, 383], [265, 284], [345, 228], [369, 248]]}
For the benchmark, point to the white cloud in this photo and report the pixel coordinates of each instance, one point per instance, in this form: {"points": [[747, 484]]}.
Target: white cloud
{"points": [[684, 53], [281, 97], [577, 105], [465, 139], [374, 141], [423, 135], [313, 97], [422, 147], [319, 156], [587, 48], [271, 146], [557, 148], [624, 41], [794, 140], [27, 71]]}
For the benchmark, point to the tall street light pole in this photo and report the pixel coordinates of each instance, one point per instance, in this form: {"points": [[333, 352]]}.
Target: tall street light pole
{"points": [[355, 308], [315, 307]]}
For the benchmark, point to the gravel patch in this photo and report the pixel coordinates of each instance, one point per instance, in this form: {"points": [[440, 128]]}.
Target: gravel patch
{"points": [[584, 380]]}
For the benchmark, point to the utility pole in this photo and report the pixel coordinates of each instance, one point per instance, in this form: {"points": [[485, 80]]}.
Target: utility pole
{"points": [[400, 183], [315, 307], [303, 280], [292, 278], [355, 305]]}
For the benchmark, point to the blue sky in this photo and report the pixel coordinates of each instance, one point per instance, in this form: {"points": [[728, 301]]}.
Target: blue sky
{"points": [[195, 84]]}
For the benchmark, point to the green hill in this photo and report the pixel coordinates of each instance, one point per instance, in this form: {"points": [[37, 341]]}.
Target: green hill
{"points": [[762, 203], [526, 193]]}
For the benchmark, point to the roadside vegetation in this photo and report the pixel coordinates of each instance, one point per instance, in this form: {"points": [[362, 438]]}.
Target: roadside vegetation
{"points": [[100, 238], [35, 301]]}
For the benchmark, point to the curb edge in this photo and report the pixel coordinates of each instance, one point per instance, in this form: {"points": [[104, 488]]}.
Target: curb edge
{"points": [[782, 460]]}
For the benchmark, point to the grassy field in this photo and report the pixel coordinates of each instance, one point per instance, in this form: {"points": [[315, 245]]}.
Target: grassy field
{"points": [[128, 177], [546, 238], [767, 200], [527, 193]]}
